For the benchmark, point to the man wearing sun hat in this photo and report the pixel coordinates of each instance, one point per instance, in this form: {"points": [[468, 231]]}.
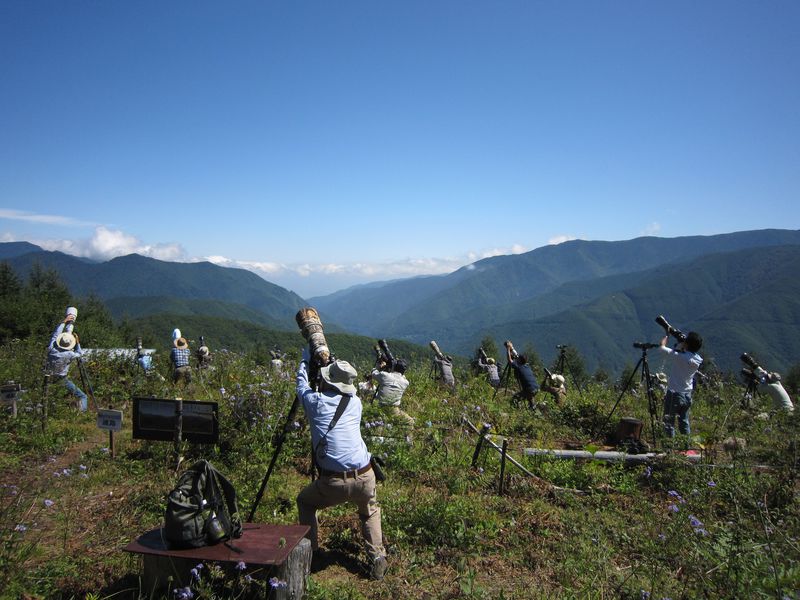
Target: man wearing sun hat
{"points": [[181, 371], [65, 347], [340, 455]]}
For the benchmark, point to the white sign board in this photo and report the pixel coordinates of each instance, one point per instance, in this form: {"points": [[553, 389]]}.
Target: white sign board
{"points": [[109, 419]]}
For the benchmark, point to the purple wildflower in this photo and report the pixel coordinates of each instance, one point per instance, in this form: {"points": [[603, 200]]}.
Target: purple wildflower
{"points": [[195, 574], [644, 595], [48, 503], [648, 472], [241, 566], [21, 528], [82, 467], [673, 508], [662, 537], [712, 484], [695, 522], [184, 593], [276, 583]]}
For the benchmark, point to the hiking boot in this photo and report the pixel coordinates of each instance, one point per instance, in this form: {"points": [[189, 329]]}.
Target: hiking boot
{"points": [[379, 568]]}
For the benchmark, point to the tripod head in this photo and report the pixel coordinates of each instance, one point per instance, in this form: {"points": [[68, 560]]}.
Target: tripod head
{"points": [[645, 346]]}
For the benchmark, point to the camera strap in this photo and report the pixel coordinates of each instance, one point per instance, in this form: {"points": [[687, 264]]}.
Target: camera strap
{"points": [[323, 443]]}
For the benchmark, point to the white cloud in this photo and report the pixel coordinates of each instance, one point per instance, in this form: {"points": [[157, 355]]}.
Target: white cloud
{"points": [[560, 239], [652, 229], [107, 243], [20, 215]]}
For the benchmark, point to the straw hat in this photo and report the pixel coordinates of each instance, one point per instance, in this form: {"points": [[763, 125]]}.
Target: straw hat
{"points": [[181, 343], [340, 375], [66, 341]]}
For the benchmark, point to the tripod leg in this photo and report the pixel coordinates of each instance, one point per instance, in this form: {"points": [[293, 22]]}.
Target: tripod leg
{"points": [[596, 430], [651, 401]]}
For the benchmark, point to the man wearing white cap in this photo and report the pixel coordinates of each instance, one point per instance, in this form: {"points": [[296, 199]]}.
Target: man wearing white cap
{"points": [[64, 347], [341, 456]]}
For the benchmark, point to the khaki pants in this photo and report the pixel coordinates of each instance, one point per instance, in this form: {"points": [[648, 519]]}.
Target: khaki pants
{"points": [[334, 490], [397, 412]]}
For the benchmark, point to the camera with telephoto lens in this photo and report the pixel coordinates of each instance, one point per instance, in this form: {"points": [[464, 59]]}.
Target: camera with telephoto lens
{"points": [[749, 361], [676, 333], [511, 349], [482, 353], [386, 356]]}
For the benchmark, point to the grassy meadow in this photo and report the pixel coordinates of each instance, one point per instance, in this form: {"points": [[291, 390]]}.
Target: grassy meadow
{"points": [[726, 527]]}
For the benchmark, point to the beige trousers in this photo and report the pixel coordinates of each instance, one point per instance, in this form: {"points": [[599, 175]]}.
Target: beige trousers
{"points": [[334, 490]]}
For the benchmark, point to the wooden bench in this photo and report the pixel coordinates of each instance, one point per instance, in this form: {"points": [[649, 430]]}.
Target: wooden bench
{"points": [[268, 551]]}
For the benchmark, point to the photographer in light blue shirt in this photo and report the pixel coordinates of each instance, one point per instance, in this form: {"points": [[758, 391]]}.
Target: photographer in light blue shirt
{"points": [[341, 456]]}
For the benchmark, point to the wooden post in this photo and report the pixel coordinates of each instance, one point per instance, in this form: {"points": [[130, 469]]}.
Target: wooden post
{"points": [[484, 430], [503, 465], [294, 572], [178, 432]]}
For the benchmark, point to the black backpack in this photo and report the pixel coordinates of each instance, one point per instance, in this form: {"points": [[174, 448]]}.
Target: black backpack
{"points": [[202, 509]]}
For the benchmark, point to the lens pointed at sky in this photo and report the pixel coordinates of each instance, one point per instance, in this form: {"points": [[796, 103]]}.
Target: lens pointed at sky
{"points": [[323, 144]]}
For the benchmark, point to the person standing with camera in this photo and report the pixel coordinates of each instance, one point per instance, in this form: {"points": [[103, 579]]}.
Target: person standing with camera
{"points": [[683, 364], [392, 384], [340, 455], [179, 356], [524, 375], [65, 347]]}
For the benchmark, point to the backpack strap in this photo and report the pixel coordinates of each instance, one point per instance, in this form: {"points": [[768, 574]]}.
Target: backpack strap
{"points": [[215, 478]]}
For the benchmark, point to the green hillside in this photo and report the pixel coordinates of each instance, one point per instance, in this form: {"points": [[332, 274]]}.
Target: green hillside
{"points": [[746, 301], [409, 308], [135, 276]]}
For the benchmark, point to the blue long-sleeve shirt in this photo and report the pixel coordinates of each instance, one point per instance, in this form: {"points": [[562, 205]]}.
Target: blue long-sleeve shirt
{"points": [[346, 449], [58, 360]]}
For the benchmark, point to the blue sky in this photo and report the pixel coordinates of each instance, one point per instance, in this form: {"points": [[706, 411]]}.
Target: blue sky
{"points": [[324, 143]]}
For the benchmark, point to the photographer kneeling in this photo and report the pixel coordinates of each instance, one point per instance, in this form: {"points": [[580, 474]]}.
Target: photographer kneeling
{"points": [[340, 455], [684, 363], [392, 385]]}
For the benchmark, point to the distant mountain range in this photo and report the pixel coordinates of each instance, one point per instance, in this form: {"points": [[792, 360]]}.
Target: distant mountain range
{"points": [[600, 297], [137, 286], [739, 290]]}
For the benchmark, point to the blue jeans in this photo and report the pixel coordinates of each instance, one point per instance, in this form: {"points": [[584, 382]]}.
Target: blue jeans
{"points": [[677, 404], [75, 391]]}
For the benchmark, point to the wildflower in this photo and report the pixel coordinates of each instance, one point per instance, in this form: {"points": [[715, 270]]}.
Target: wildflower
{"points": [[48, 503], [21, 528], [56, 473], [104, 450], [82, 467], [695, 522], [662, 537], [428, 424], [222, 391], [66, 472], [644, 595], [648, 472], [712, 484], [276, 583], [701, 531], [248, 578], [296, 425], [195, 574], [199, 566], [477, 408], [673, 508], [480, 469], [241, 566], [184, 593], [84, 476]]}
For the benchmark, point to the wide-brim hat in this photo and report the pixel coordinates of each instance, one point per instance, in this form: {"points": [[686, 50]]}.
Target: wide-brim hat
{"points": [[66, 341], [490, 361], [181, 343], [340, 375], [558, 379]]}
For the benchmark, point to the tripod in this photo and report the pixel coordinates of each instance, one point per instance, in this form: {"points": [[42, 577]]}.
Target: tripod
{"points": [[85, 381], [652, 404], [504, 377], [562, 363]]}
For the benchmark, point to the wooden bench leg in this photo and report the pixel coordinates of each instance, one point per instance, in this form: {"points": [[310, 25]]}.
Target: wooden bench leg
{"points": [[294, 572]]}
